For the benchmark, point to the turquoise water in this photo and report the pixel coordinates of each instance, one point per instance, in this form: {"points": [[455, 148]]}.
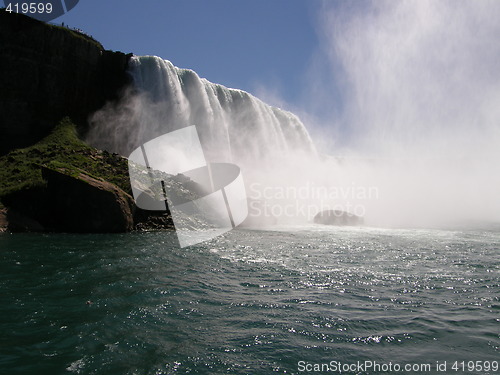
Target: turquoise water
{"points": [[250, 302]]}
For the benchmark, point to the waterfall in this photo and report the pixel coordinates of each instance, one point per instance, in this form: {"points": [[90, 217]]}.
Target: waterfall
{"points": [[233, 125]]}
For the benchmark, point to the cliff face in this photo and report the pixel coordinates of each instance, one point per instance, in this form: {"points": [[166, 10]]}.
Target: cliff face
{"points": [[48, 72]]}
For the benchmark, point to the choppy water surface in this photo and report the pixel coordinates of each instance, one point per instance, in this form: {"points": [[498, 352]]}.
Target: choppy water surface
{"points": [[251, 302]]}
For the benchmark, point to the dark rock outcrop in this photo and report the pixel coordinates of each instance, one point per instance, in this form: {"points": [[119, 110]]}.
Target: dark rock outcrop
{"points": [[48, 72], [84, 204], [70, 201], [337, 217], [3, 220]]}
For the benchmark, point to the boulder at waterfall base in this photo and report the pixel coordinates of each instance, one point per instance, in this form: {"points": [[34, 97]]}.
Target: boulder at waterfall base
{"points": [[337, 217]]}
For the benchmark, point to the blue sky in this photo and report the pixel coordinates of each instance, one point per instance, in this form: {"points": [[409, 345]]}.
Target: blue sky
{"points": [[242, 44]]}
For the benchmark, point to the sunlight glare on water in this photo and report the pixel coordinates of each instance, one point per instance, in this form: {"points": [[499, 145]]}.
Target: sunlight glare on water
{"points": [[247, 302]]}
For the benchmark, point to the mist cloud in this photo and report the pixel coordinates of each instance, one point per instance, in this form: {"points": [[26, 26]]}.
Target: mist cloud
{"points": [[403, 99], [414, 93]]}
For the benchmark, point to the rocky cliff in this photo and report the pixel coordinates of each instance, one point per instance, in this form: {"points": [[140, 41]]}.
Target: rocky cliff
{"points": [[52, 78], [48, 72], [62, 184]]}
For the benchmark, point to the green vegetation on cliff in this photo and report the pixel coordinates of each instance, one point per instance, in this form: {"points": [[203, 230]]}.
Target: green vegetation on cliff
{"points": [[77, 34], [79, 174], [21, 169]]}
